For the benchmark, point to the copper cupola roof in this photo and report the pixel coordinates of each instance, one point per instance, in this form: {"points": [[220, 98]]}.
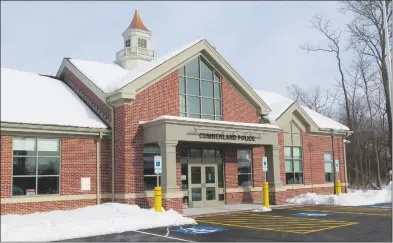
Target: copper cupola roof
{"points": [[137, 22]]}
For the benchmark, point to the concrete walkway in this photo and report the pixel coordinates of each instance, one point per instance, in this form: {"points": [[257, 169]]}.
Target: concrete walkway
{"points": [[225, 209]]}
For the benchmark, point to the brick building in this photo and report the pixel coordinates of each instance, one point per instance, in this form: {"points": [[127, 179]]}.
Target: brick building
{"points": [[89, 134]]}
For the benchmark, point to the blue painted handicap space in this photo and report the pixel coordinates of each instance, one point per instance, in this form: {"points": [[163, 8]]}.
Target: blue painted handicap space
{"points": [[381, 206], [311, 214], [200, 230]]}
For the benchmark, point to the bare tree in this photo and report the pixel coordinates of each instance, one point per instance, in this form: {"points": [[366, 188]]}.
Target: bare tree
{"points": [[320, 23]]}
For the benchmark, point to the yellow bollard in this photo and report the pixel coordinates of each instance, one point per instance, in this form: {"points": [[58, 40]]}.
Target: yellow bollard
{"points": [[158, 199], [266, 194], [338, 187]]}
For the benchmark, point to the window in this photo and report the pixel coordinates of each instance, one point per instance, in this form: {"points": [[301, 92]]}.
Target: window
{"points": [[142, 43], [35, 166], [128, 43], [200, 91], [244, 170], [150, 179], [329, 172], [293, 165]]}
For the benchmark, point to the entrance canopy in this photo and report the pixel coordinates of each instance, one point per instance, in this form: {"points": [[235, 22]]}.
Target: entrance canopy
{"points": [[172, 128]]}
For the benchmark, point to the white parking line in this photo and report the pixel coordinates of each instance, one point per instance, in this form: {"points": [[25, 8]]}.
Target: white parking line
{"points": [[163, 236]]}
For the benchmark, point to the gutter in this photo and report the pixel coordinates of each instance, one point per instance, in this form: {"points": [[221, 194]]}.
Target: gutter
{"points": [[98, 179], [113, 151]]}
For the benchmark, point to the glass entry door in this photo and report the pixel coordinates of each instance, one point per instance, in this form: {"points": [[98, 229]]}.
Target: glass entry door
{"points": [[203, 185]]}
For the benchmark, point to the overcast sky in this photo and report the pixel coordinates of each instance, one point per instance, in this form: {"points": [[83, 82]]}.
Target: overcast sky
{"points": [[260, 40]]}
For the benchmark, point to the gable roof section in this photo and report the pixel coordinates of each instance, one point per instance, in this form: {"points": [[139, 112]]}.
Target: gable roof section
{"points": [[280, 104], [30, 98], [146, 75]]}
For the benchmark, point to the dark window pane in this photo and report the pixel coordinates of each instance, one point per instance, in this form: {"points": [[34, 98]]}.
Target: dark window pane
{"points": [[185, 199], [182, 103], [151, 151], [221, 197], [150, 182], [193, 104], [196, 175], [182, 71], [206, 71], [244, 167], [207, 106], [183, 152], [24, 146], [184, 176], [294, 178], [24, 166], [195, 153], [48, 166], [220, 171], [329, 177], [207, 89], [217, 90], [192, 69], [48, 185], [196, 194], [210, 174], [216, 77], [244, 155], [48, 147], [182, 85], [148, 167], [244, 180], [193, 86], [208, 153], [218, 107], [218, 154], [21, 184], [210, 193], [208, 117]]}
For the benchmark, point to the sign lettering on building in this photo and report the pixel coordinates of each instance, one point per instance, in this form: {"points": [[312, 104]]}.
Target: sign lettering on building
{"points": [[226, 137]]}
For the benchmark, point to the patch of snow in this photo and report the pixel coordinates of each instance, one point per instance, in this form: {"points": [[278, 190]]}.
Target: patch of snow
{"points": [[132, 75], [352, 198], [264, 209], [101, 219], [34, 99], [178, 118], [279, 104], [101, 74]]}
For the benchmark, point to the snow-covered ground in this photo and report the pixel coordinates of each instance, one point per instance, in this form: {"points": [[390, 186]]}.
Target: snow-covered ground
{"points": [[352, 198], [264, 209], [89, 221]]}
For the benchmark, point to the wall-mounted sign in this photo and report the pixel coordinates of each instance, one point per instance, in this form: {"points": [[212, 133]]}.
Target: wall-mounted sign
{"points": [[30, 192], [336, 163], [226, 137], [85, 184]]}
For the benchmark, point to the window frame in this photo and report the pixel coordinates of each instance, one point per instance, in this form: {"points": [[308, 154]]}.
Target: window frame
{"points": [[331, 174], [251, 168], [149, 159], [36, 175], [217, 112], [292, 159]]}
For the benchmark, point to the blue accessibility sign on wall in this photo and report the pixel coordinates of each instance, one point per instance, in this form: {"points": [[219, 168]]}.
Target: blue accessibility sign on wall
{"points": [[311, 214], [200, 230]]}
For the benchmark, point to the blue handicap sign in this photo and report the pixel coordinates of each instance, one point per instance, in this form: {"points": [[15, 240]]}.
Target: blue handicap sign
{"points": [[157, 164], [381, 206], [312, 214], [200, 230]]}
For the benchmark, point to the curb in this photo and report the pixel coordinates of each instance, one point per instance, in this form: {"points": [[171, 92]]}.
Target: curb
{"points": [[239, 211]]}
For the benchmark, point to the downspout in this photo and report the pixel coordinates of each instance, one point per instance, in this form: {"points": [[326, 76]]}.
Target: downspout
{"points": [[113, 150], [345, 165], [98, 179]]}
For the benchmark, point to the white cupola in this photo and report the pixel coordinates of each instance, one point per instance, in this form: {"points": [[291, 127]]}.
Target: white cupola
{"points": [[137, 49]]}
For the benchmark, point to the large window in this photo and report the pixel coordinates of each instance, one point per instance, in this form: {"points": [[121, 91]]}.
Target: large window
{"points": [[200, 91], [244, 169], [329, 172], [150, 179], [293, 165], [36, 166]]}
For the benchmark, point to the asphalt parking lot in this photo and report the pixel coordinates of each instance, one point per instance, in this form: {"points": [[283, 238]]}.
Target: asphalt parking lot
{"points": [[308, 223]]}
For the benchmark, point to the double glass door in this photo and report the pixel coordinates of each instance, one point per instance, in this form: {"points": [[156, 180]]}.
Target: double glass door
{"points": [[203, 185]]}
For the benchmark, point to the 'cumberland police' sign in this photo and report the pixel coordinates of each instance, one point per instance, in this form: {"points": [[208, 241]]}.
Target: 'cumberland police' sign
{"points": [[225, 137]]}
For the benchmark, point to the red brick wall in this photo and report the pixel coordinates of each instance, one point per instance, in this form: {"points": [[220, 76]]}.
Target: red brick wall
{"points": [[230, 159], [6, 166], [243, 197], [161, 98], [104, 108], [258, 175], [106, 166], [282, 161], [235, 107]]}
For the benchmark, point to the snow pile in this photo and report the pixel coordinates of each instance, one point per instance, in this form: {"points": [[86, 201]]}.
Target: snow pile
{"points": [[84, 222], [353, 198], [264, 209]]}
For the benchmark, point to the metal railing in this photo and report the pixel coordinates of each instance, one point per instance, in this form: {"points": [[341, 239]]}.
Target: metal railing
{"points": [[132, 51]]}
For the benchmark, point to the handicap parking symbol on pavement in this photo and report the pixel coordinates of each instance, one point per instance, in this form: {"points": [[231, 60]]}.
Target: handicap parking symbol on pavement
{"points": [[381, 206], [200, 230], [311, 214]]}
